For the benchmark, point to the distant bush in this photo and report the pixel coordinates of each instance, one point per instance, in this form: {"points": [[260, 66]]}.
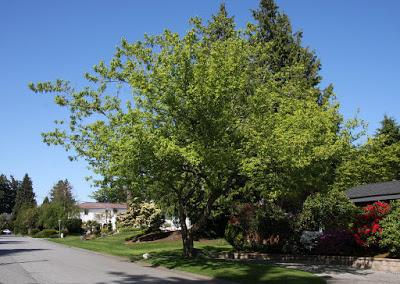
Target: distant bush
{"points": [[91, 227], [46, 233], [34, 231], [74, 226]]}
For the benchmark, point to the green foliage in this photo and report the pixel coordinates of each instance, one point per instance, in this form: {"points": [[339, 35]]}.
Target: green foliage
{"points": [[285, 49], [5, 222], [61, 193], [109, 194], [209, 112], [328, 211], [74, 225], [46, 233], [141, 215], [25, 197], [34, 231], [390, 237], [7, 194], [389, 131], [372, 162], [49, 214], [263, 227], [26, 220], [91, 227]]}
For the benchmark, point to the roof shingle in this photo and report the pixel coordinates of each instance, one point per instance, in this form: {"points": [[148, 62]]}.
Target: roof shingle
{"points": [[374, 189]]}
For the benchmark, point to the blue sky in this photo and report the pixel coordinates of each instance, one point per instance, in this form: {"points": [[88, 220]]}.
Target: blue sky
{"points": [[357, 41]]}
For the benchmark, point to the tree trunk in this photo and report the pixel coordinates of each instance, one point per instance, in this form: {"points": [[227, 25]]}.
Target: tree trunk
{"points": [[187, 236]]}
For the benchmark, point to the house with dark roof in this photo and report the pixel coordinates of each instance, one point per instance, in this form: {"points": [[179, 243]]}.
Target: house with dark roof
{"points": [[369, 193]]}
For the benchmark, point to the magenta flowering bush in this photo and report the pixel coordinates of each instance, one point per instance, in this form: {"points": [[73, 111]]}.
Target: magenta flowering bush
{"points": [[336, 242]]}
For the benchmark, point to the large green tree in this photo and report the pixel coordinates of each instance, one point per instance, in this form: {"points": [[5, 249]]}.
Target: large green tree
{"points": [[25, 197], [187, 120]]}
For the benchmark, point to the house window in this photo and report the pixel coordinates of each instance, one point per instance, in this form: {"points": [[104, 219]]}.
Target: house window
{"points": [[86, 211]]}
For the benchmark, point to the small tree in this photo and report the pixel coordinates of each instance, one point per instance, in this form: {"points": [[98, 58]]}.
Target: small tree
{"points": [[26, 220], [50, 213]]}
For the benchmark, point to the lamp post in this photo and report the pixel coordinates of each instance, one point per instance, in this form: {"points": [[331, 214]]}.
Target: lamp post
{"points": [[59, 227]]}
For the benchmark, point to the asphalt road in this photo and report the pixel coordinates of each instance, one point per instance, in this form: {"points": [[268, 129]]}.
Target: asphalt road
{"points": [[26, 260]]}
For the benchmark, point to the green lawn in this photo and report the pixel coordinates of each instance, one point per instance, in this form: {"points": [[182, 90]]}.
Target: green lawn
{"points": [[168, 254]]}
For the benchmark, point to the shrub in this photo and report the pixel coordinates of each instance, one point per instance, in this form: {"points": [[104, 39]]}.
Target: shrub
{"points": [[91, 227], [74, 226], [366, 228], [34, 231], [331, 210], [46, 233], [336, 242], [390, 225], [141, 215], [262, 227]]}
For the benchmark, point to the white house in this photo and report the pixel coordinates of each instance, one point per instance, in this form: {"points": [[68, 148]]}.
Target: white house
{"points": [[106, 212], [102, 213]]}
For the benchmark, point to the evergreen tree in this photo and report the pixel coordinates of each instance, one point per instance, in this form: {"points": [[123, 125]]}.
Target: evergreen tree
{"points": [[389, 131], [285, 48], [62, 193], [7, 195], [25, 197], [46, 200], [4, 189]]}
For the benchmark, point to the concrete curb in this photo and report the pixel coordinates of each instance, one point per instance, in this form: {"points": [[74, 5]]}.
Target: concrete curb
{"points": [[375, 264]]}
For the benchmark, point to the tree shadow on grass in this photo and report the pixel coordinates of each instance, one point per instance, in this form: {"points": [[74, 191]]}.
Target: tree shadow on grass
{"points": [[237, 271], [125, 278]]}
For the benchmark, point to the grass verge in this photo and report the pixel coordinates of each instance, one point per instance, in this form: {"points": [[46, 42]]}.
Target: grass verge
{"points": [[168, 254]]}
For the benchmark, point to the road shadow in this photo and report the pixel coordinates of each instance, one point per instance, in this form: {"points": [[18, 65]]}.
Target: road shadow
{"points": [[4, 242], [19, 262], [4, 252]]}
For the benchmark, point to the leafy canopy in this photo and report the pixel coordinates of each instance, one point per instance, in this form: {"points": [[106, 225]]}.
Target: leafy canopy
{"points": [[185, 120]]}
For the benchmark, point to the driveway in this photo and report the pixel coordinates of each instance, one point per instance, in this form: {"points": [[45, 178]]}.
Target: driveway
{"points": [[27, 260]]}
